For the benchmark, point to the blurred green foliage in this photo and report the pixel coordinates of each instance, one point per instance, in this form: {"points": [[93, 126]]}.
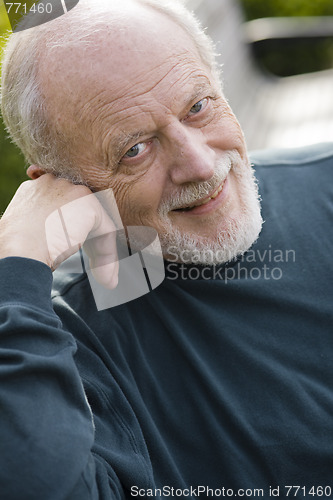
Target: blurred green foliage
{"points": [[12, 169], [12, 164], [255, 9], [292, 57]]}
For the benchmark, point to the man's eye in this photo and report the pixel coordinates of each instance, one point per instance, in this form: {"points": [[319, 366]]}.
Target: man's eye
{"points": [[199, 106], [136, 150]]}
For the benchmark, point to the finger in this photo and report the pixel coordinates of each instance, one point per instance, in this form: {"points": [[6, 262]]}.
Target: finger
{"points": [[101, 247], [104, 271], [83, 219]]}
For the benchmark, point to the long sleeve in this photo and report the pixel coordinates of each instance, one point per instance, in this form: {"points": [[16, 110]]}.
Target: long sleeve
{"points": [[46, 425]]}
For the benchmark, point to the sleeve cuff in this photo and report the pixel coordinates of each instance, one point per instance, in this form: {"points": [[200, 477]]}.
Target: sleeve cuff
{"points": [[25, 281]]}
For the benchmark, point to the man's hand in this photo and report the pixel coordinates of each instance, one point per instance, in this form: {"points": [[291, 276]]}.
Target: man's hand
{"points": [[49, 219]]}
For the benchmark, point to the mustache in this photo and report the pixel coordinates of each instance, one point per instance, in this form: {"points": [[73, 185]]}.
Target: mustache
{"points": [[189, 195]]}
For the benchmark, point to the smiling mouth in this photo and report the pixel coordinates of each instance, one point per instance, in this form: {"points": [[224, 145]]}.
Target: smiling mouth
{"points": [[202, 202]]}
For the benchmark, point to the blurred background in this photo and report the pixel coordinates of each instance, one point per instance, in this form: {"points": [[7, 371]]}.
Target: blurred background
{"points": [[277, 58]]}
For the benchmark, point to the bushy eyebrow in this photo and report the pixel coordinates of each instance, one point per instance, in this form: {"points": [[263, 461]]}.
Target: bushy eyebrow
{"points": [[122, 141], [199, 90]]}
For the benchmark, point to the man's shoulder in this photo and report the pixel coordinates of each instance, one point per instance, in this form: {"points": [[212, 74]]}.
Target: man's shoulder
{"points": [[296, 191], [306, 155]]}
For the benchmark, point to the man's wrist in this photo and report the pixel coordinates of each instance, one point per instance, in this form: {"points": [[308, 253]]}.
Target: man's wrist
{"points": [[18, 247]]}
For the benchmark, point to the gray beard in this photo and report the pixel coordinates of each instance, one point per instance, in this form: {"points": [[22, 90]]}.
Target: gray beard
{"points": [[235, 239]]}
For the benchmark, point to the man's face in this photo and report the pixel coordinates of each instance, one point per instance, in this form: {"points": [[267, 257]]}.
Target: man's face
{"points": [[159, 132]]}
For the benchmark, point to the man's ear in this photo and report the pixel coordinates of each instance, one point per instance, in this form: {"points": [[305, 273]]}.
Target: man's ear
{"points": [[34, 171]]}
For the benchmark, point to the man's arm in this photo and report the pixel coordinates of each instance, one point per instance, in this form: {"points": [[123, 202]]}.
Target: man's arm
{"points": [[46, 425]]}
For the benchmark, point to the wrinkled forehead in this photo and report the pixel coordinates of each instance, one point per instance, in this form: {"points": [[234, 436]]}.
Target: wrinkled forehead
{"points": [[142, 45]]}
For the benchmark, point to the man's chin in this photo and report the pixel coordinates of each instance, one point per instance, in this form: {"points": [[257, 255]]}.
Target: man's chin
{"points": [[225, 246]]}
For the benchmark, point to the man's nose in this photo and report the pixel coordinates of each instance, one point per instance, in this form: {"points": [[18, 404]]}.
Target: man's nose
{"points": [[192, 159]]}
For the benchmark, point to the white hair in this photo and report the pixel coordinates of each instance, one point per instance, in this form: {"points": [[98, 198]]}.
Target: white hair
{"points": [[22, 102]]}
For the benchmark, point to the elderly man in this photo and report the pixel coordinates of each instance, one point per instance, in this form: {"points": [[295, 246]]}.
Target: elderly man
{"points": [[217, 383]]}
